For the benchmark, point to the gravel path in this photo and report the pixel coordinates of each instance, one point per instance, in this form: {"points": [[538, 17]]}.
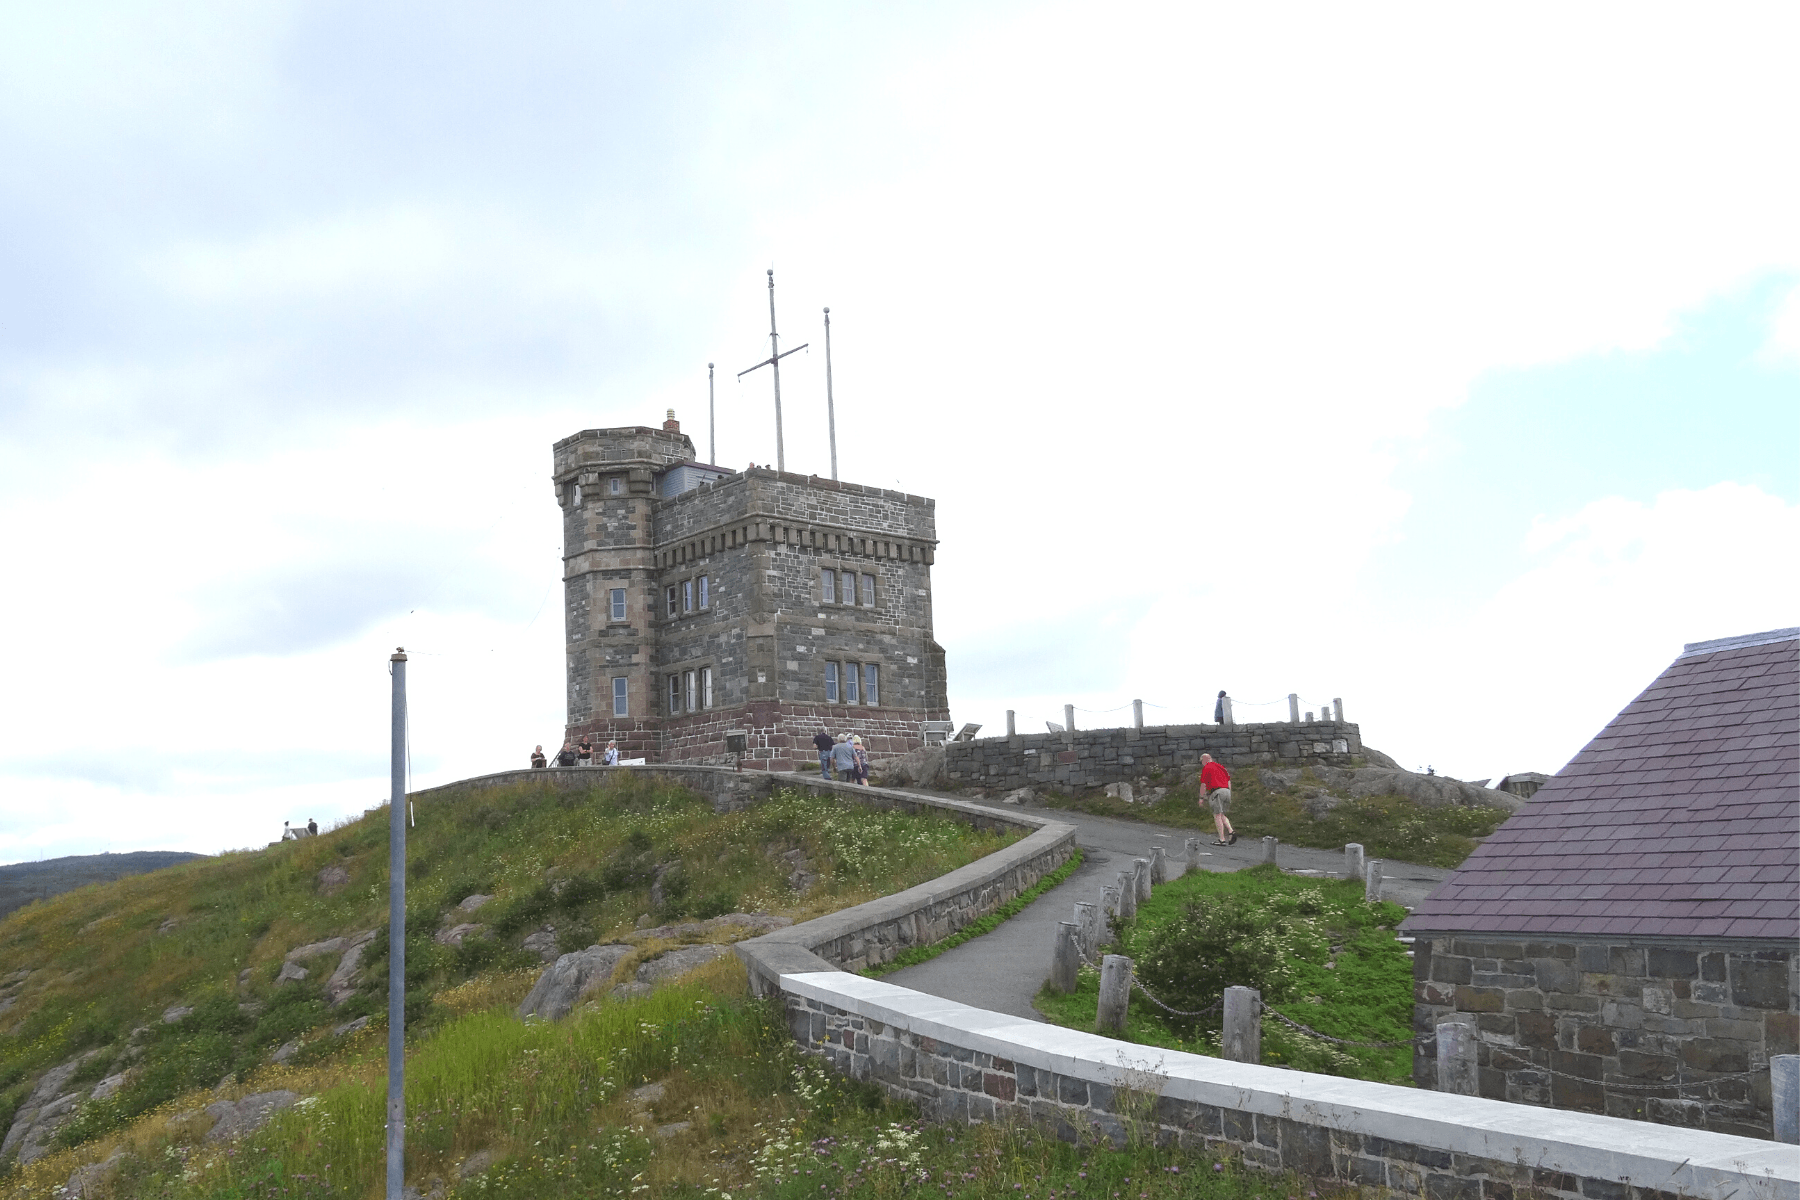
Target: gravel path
{"points": [[1001, 971]]}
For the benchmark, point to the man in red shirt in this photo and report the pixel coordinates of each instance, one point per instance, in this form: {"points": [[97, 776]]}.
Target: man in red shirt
{"points": [[1215, 791]]}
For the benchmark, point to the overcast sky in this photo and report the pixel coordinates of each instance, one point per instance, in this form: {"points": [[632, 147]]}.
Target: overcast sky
{"points": [[1443, 359]]}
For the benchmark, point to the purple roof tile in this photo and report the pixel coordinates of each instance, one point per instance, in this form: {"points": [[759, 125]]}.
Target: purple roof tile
{"points": [[1680, 818]]}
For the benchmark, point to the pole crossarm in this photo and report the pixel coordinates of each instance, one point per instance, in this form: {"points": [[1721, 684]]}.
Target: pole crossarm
{"points": [[765, 362]]}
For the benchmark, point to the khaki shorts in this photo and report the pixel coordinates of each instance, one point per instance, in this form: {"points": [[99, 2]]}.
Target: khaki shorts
{"points": [[1220, 801]]}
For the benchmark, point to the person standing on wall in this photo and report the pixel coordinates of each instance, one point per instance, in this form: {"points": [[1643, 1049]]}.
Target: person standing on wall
{"points": [[1215, 788], [823, 743], [1219, 709]]}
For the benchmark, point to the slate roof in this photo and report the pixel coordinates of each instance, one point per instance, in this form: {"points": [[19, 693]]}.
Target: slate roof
{"points": [[1680, 819]]}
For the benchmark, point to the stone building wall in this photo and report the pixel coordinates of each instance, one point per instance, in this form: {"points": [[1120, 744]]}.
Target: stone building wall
{"points": [[1095, 757], [760, 540], [1611, 1016]]}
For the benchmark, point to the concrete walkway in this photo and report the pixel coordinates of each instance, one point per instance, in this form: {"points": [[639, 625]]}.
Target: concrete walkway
{"points": [[1001, 971]]}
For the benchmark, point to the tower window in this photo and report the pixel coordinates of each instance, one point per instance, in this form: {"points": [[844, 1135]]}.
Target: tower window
{"points": [[850, 688], [615, 485], [871, 684], [705, 592], [831, 683], [868, 591], [706, 687], [687, 680], [617, 599], [828, 586], [674, 695], [621, 702], [672, 610], [687, 595]]}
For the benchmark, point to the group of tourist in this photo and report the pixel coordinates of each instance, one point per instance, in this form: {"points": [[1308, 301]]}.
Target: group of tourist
{"points": [[843, 754], [578, 754]]}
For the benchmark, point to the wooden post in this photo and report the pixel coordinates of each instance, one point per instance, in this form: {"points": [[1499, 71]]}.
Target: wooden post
{"points": [[1141, 876], [1127, 895], [1159, 866], [1457, 1071], [1372, 881], [1115, 993], [1064, 958], [1193, 854], [1353, 861], [1087, 920], [1269, 845], [1243, 1024], [1784, 1091]]}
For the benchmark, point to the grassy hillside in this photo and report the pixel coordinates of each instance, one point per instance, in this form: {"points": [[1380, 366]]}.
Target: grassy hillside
{"points": [[1388, 827], [21, 883], [85, 978]]}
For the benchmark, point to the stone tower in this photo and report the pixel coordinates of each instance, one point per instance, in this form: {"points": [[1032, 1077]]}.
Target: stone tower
{"points": [[699, 601]]}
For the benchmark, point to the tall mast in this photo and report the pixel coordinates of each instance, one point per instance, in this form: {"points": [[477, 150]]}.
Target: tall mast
{"points": [[774, 361], [712, 428], [830, 407]]}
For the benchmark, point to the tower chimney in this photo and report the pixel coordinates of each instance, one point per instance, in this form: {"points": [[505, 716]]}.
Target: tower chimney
{"points": [[672, 425]]}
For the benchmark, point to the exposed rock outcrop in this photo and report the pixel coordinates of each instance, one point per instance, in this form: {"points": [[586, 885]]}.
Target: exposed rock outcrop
{"points": [[92, 1179], [50, 1104], [542, 943], [332, 880], [342, 984], [456, 934], [569, 979], [233, 1119], [922, 768], [679, 961]]}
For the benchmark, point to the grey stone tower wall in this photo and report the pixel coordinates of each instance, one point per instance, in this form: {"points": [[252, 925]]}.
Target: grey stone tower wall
{"points": [[760, 539]]}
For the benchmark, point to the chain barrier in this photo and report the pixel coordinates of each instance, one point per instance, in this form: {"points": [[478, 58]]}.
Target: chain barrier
{"points": [[1326, 1037], [1630, 1087], [1139, 985]]}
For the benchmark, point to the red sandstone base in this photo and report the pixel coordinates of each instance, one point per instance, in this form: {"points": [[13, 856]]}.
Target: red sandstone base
{"points": [[779, 734]]}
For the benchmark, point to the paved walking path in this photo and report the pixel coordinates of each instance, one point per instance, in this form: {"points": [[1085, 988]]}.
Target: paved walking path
{"points": [[1001, 971]]}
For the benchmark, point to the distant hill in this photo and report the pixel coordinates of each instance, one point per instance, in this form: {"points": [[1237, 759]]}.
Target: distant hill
{"points": [[21, 883]]}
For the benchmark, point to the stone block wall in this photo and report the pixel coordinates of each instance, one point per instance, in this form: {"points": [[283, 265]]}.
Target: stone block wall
{"points": [[960, 1064], [1096, 757], [760, 540], [1590, 1025]]}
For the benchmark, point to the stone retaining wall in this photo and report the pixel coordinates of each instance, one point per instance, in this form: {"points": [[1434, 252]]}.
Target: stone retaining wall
{"points": [[962, 1064], [1096, 757]]}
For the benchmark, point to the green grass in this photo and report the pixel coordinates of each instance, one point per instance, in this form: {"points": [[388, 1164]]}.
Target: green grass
{"points": [[1388, 827], [1359, 988], [109, 958], [550, 1105], [979, 926]]}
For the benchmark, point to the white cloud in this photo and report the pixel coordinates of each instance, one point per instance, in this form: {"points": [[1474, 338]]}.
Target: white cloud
{"points": [[1149, 304]]}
